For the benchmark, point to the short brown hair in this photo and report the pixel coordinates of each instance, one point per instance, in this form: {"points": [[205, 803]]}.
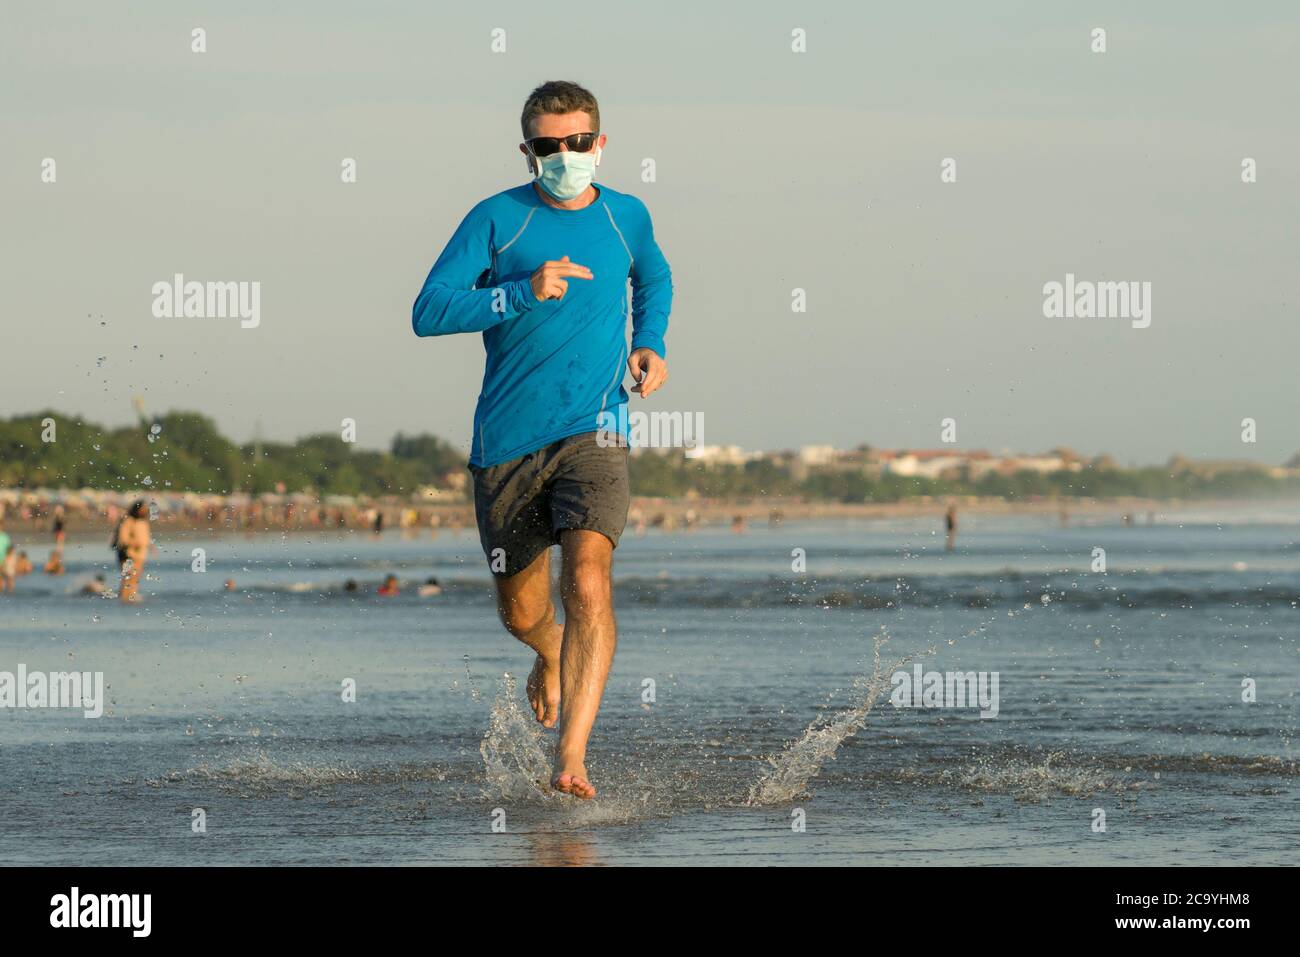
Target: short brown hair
{"points": [[559, 96]]}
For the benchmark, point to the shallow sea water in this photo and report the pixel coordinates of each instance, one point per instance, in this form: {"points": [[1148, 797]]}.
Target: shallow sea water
{"points": [[1119, 692]]}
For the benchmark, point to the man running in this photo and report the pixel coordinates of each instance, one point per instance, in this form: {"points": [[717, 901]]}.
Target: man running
{"points": [[542, 271]]}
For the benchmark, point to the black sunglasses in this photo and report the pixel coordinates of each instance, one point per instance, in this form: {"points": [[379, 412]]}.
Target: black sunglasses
{"points": [[575, 142]]}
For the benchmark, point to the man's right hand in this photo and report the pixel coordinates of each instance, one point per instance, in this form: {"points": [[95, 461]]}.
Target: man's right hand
{"points": [[551, 280]]}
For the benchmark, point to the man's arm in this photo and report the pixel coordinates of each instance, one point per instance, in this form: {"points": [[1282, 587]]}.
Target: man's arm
{"points": [[449, 301], [652, 289], [652, 300]]}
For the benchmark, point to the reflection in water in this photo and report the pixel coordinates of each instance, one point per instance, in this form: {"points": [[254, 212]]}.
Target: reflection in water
{"points": [[562, 849]]}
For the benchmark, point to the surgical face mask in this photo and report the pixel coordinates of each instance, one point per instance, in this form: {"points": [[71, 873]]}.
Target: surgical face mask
{"points": [[566, 175]]}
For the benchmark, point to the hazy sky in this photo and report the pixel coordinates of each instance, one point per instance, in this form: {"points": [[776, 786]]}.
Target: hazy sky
{"points": [[775, 170]]}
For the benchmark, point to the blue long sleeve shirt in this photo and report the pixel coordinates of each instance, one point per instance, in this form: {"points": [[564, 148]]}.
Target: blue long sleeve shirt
{"points": [[554, 368]]}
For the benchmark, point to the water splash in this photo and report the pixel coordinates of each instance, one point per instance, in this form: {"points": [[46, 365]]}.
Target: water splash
{"points": [[794, 767], [517, 767], [513, 750], [1031, 778]]}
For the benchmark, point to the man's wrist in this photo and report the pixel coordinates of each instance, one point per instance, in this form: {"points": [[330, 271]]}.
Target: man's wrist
{"points": [[647, 341], [522, 297]]}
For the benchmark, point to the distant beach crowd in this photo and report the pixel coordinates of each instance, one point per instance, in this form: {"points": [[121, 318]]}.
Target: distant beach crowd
{"points": [[128, 520]]}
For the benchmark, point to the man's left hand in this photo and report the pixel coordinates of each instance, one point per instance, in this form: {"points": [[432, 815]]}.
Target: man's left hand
{"points": [[650, 371]]}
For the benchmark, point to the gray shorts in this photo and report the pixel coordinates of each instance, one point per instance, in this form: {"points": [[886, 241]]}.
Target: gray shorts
{"points": [[523, 505]]}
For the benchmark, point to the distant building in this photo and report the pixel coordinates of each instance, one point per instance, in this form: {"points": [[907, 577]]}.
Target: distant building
{"points": [[808, 458], [1043, 464], [814, 455], [925, 463], [711, 455]]}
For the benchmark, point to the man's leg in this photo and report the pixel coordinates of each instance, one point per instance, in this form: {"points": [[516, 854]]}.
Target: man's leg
{"points": [[525, 606], [588, 651]]}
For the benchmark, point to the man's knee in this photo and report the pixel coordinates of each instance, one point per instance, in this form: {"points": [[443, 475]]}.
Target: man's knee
{"points": [[522, 621], [586, 589]]}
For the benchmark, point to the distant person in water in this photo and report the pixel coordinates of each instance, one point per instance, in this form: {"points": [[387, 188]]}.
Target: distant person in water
{"points": [[8, 567], [132, 542], [60, 532], [379, 523], [350, 585], [229, 584], [950, 522], [6, 582], [94, 587], [389, 588], [23, 565], [430, 588], [54, 564]]}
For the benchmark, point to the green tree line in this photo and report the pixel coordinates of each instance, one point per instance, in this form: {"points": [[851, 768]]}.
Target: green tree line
{"points": [[672, 475], [184, 451]]}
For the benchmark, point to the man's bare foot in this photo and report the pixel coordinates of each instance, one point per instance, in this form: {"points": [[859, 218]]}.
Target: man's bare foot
{"points": [[544, 690], [573, 780]]}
